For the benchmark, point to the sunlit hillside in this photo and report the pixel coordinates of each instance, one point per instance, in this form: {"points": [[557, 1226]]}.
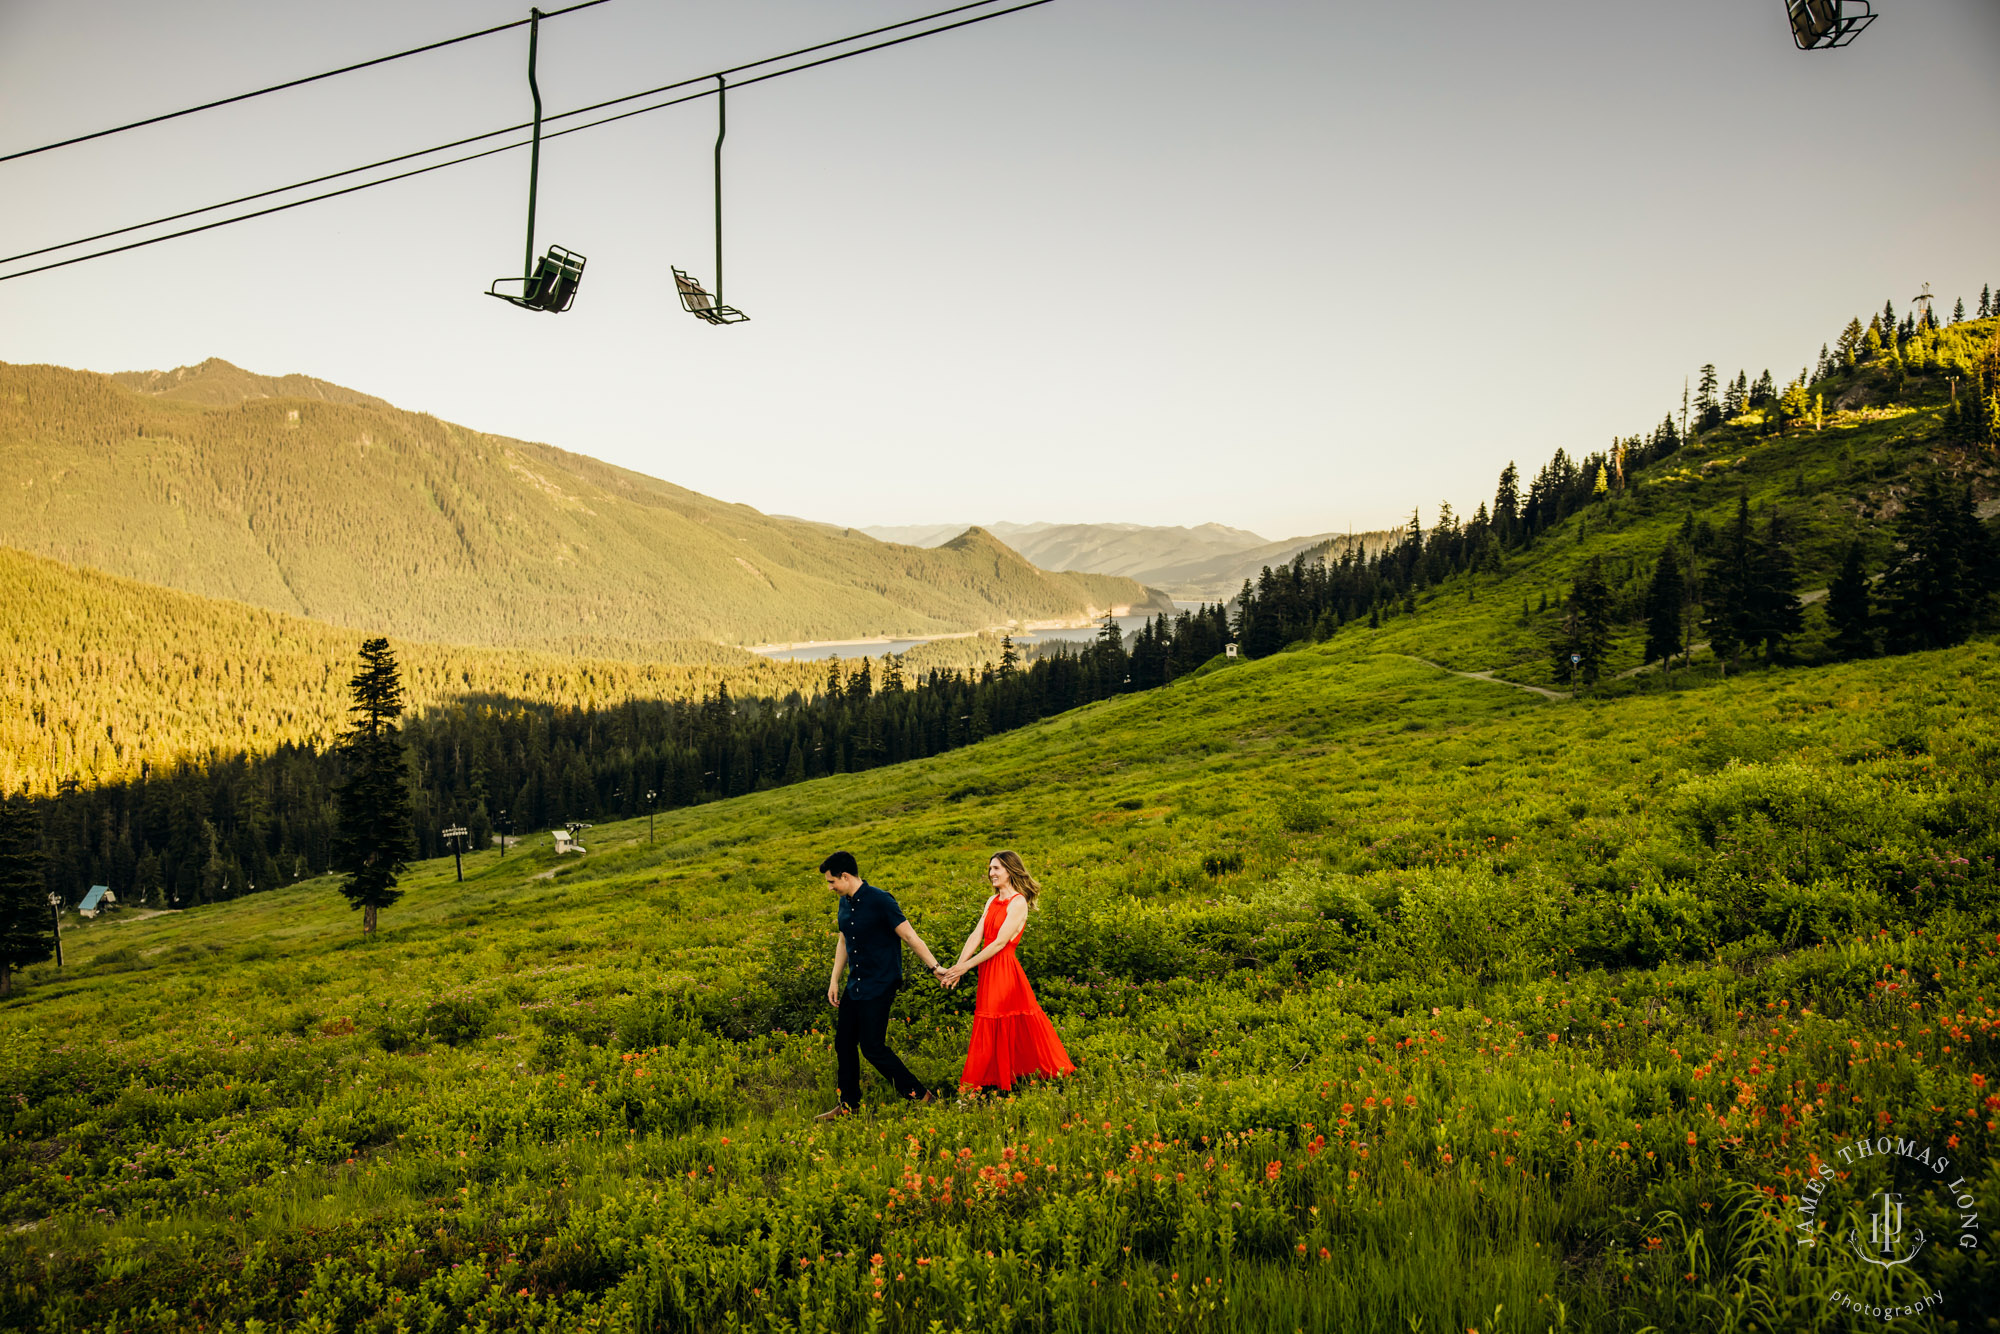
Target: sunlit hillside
{"points": [[1398, 998], [347, 510]]}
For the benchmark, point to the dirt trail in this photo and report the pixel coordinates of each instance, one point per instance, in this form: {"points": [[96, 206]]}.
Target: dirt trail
{"points": [[1805, 599], [1488, 676]]}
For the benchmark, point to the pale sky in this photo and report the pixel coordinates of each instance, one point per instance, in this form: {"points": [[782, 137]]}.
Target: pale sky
{"points": [[1285, 266]]}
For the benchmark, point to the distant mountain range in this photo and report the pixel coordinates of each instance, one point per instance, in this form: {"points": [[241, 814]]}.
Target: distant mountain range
{"points": [[304, 497], [1204, 563]]}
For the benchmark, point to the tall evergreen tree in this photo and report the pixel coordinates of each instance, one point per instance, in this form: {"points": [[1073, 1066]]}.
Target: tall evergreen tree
{"points": [[1775, 611], [1958, 311], [27, 933], [1665, 596], [1730, 582], [1849, 345], [1707, 412], [1941, 581], [1847, 606], [375, 841], [1507, 503], [1584, 642], [1985, 301]]}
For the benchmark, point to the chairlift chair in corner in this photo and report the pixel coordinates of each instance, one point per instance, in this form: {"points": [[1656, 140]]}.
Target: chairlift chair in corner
{"points": [[1822, 25], [548, 284]]}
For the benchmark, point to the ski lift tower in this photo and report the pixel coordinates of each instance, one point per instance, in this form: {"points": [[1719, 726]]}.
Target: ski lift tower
{"points": [[1921, 304]]}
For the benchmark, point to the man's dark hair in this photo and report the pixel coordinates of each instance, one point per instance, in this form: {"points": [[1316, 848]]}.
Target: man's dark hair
{"points": [[840, 863]]}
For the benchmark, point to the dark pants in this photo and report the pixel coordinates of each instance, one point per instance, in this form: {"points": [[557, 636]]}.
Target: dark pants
{"points": [[863, 1027]]}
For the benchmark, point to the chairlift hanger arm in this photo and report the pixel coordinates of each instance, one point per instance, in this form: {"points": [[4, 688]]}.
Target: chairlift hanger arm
{"points": [[292, 83], [502, 148]]}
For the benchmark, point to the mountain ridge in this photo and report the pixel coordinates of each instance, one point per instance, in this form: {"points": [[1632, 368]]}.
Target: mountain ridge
{"points": [[345, 509], [1206, 562]]}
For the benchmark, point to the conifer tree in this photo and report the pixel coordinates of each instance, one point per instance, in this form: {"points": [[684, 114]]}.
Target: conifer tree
{"points": [[1664, 598], [1707, 412], [1847, 606], [1585, 639], [1776, 613], [27, 931], [375, 840], [1985, 301], [1010, 658], [1958, 311], [1849, 345], [1507, 503], [1731, 585], [1941, 581]]}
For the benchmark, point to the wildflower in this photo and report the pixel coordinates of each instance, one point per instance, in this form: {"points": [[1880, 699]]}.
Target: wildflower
{"points": [[1271, 1171]]}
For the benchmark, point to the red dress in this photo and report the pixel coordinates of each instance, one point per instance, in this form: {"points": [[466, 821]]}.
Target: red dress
{"points": [[1011, 1036]]}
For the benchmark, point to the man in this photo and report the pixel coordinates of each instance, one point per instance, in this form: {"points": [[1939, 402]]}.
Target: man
{"points": [[873, 932]]}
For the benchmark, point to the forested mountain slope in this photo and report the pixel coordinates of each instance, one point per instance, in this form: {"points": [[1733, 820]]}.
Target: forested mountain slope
{"points": [[370, 518], [99, 675]]}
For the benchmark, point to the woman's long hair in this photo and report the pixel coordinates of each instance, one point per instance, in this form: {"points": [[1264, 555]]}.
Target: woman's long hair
{"points": [[1017, 876]]}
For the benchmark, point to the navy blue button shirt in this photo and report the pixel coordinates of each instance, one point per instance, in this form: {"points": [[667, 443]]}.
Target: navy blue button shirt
{"points": [[868, 921]]}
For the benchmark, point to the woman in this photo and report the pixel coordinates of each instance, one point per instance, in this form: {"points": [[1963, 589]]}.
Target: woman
{"points": [[1011, 1036]]}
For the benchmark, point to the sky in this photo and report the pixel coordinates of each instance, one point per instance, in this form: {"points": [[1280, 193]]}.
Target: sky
{"points": [[1288, 266]]}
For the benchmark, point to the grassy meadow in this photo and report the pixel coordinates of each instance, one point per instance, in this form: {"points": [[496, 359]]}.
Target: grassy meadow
{"points": [[1401, 1002]]}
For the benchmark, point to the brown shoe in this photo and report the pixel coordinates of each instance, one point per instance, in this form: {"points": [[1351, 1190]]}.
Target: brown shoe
{"points": [[835, 1113]]}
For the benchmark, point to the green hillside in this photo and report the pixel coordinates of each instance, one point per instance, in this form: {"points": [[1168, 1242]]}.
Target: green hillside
{"points": [[1503, 1004], [341, 508]]}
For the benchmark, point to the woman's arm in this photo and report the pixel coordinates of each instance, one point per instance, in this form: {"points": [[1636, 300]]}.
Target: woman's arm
{"points": [[1017, 917], [972, 937]]}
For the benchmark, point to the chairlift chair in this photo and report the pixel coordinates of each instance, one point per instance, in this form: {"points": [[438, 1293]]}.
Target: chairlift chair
{"points": [[1821, 25], [551, 284], [695, 299]]}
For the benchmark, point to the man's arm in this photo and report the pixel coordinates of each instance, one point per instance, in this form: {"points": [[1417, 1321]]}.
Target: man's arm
{"points": [[916, 942], [839, 967]]}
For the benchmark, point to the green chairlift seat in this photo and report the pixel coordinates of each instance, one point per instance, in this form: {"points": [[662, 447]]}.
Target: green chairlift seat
{"points": [[1821, 25], [696, 301], [552, 286], [549, 283]]}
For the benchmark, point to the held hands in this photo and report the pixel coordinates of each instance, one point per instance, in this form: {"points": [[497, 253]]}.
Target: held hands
{"points": [[948, 977]]}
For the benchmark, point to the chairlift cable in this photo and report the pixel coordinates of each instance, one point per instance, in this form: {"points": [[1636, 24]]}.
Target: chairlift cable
{"points": [[509, 129], [293, 83], [504, 148]]}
